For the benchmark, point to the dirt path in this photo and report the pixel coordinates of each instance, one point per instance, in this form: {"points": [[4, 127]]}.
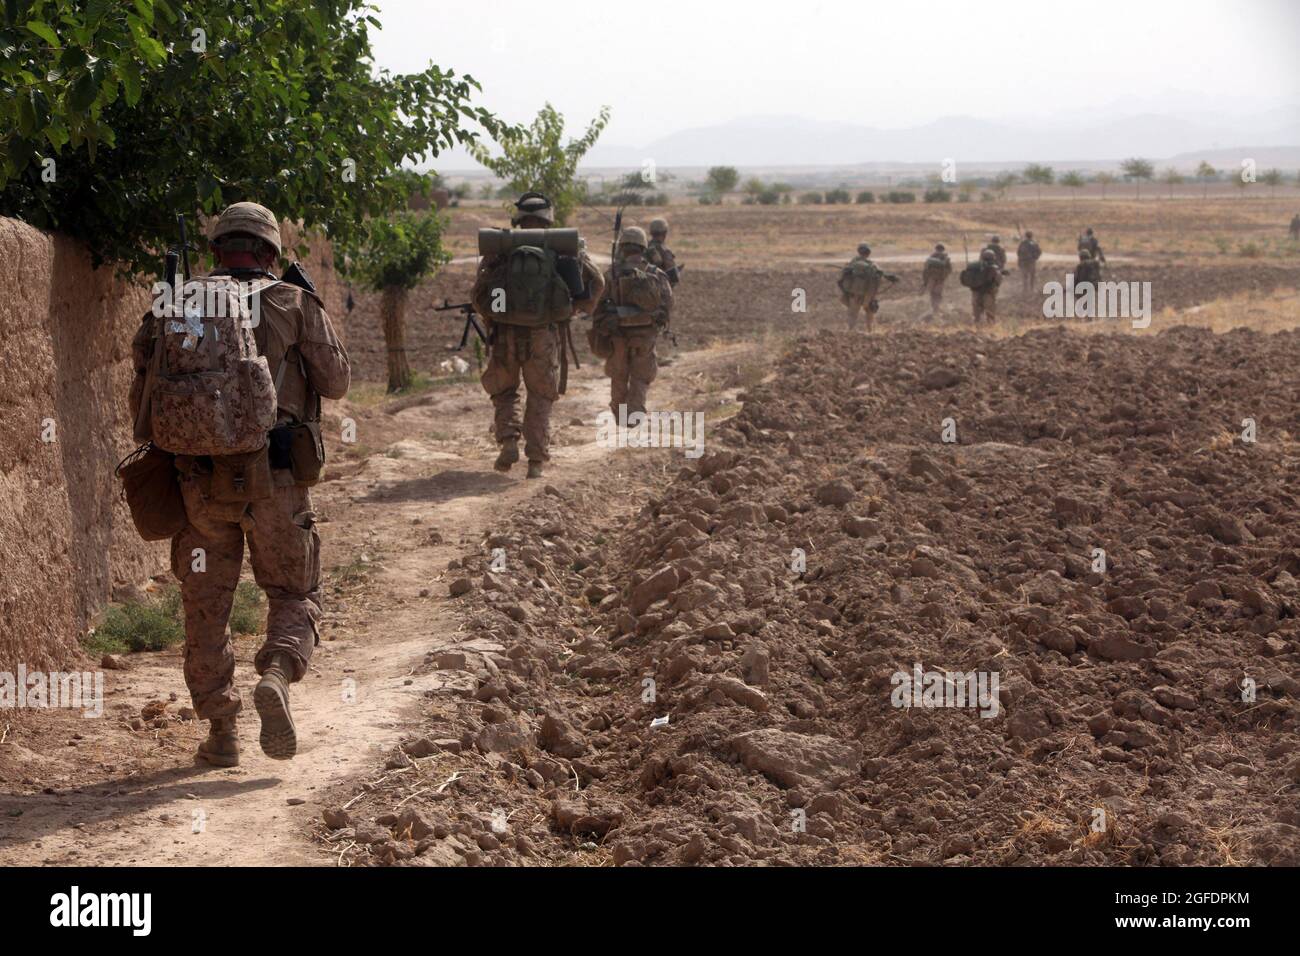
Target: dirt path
{"points": [[97, 792]]}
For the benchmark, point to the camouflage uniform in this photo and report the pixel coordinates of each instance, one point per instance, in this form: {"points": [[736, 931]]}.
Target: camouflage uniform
{"points": [[659, 255], [854, 303], [1089, 241], [530, 355], [935, 273], [307, 359], [984, 301], [999, 253], [1027, 255], [633, 364], [1087, 271], [1295, 227]]}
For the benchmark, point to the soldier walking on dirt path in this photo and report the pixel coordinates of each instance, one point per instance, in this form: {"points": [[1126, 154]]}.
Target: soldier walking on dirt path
{"points": [[261, 496], [637, 305], [1295, 226], [659, 255], [1087, 273], [984, 278], [1089, 241], [522, 350], [933, 276], [859, 282], [1027, 255]]}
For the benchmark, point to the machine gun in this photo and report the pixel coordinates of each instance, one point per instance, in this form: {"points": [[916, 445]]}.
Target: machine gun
{"points": [[472, 323]]}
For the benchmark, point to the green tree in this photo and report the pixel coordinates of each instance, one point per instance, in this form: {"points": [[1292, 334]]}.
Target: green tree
{"points": [[1073, 181], [1272, 179], [722, 179], [392, 256], [1206, 174], [114, 117], [1171, 178], [1137, 171], [535, 158], [754, 187], [1105, 181], [1003, 182], [1039, 176]]}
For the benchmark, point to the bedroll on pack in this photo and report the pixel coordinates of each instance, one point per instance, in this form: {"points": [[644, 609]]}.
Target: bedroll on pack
{"points": [[210, 392], [935, 268]]}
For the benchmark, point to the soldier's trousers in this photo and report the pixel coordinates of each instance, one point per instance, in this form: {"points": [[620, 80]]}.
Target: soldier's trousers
{"points": [[284, 550], [855, 308], [1029, 279], [984, 305], [631, 368], [533, 357], [936, 295]]}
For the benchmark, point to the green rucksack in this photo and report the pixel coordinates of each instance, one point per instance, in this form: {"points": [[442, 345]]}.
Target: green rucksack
{"points": [[535, 293], [978, 275], [860, 278]]}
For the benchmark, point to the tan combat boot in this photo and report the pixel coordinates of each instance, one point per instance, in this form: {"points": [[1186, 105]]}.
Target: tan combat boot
{"points": [[279, 739], [509, 455], [534, 469], [221, 748]]}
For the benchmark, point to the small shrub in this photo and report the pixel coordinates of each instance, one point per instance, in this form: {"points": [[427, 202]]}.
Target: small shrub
{"points": [[900, 196], [836, 197], [246, 616], [769, 197], [937, 195], [811, 199], [1250, 250], [866, 197], [140, 625]]}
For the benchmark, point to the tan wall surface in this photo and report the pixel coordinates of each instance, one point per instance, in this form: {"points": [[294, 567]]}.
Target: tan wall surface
{"points": [[66, 537]]}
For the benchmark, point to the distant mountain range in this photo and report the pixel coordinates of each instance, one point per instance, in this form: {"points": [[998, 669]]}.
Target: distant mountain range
{"points": [[794, 141]]}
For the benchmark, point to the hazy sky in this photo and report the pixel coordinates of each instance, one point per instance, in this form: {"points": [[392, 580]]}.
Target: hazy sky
{"points": [[668, 65]]}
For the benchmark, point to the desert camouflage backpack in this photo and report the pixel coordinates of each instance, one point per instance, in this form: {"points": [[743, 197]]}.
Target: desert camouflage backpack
{"points": [[936, 268], [638, 292], [535, 292], [209, 392], [860, 278]]}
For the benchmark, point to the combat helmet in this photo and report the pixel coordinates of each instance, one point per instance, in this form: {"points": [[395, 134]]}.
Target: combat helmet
{"points": [[939, 247], [632, 236], [247, 219], [988, 255], [659, 227], [1029, 233], [864, 249], [533, 206]]}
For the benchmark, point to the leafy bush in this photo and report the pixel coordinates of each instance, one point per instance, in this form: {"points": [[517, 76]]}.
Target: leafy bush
{"points": [[810, 199], [899, 196], [937, 195], [140, 626], [769, 197], [866, 197], [533, 158], [836, 197], [114, 117]]}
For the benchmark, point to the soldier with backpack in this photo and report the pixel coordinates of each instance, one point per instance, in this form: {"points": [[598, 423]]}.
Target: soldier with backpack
{"points": [[935, 273], [659, 255], [1027, 255], [1294, 232], [528, 302], [1086, 273], [230, 384], [637, 305], [1089, 241], [999, 253], [983, 278], [859, 282]]}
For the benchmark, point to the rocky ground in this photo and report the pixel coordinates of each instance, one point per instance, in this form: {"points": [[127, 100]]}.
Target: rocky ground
{"points": [[655, 677]]}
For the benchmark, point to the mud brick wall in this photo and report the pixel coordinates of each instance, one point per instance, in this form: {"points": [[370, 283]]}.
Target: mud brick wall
{"points": [[66, 537]]}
